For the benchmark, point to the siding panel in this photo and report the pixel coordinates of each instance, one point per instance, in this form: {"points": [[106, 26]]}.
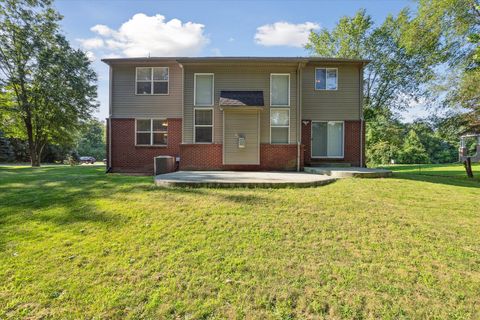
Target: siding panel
{"points": [[126, 104], [342, 104], [238, 77]]}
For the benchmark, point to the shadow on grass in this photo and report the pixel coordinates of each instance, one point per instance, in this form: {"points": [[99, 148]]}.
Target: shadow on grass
{"points": [[70, 194], [224, 194], [30, 189], [437, 178]]}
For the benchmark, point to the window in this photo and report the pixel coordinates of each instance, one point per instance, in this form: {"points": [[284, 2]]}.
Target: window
{"points": [[152, 80], [203, 89], [327, 139], [151, 132], [280, 89], [279, 125], [326, 78], [203, 119]]}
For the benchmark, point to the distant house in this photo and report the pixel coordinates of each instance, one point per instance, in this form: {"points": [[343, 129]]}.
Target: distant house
{"points": [[235, 113]]}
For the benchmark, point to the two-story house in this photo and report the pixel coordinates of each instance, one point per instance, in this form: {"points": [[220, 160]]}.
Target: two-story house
{"points": [[235, 113]]}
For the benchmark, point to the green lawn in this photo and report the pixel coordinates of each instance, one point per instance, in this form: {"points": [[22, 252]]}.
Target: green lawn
{"points": [[77, 243]]}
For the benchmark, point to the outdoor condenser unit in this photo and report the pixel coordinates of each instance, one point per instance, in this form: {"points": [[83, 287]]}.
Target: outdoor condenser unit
{"points": [[164, 164]]}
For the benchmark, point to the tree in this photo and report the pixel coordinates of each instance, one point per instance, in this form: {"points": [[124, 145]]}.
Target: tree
{"points": [[383, 137], [457, 24], [397, 69], [92, 140], [6, 151], [413, 150], [51, 86]]}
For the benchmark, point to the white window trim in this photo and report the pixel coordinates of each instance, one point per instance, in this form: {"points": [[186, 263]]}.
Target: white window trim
{"points": [[343, 141], [203, 125], [195, 89], [151, 132], [289, 120], [152, 82], [336, 80], [280, 105]]}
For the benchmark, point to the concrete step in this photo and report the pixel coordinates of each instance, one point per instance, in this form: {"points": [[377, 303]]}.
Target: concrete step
{"points": [[329, 164], [343, 172]]}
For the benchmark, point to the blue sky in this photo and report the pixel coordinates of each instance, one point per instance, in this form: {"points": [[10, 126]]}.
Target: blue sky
{"points": [[117, 28]]}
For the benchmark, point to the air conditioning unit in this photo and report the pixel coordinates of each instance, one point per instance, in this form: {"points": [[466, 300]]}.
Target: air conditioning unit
{"points": [[164, 164]]}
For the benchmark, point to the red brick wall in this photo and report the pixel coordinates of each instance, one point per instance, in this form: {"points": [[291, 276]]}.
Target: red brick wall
{"points": [[126, 157], [352, 144], [209, 157], [201, 157]]}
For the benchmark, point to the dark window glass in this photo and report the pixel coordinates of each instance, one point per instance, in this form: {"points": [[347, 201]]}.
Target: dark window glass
{"points": [[160, 73], [160, 125], [203, 134], [143, 138], [143, 125], [144, 87], [160, 138], [144, 74], [203, 117], [279, 135], [320, 79], [160, 87]]}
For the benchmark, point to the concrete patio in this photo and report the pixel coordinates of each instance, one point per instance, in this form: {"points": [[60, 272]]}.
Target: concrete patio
{"points": [[247, 179], [349, 172], [313, 176]]}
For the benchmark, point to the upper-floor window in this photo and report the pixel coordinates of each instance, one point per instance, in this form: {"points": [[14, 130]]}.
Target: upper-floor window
{"points": [[151, 80], [326, 78], [203, 84], [280, 89], [151, 132]]}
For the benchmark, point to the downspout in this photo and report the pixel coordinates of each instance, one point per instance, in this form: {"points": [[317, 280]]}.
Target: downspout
{"points": [[299, 122], [109, 120], [360, 104]]}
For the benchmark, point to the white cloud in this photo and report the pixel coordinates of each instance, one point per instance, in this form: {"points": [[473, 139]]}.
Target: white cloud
{"points": [[91, 43], [102, 30], [285, 34], [144, 35], [91, 56], [231, 39]]}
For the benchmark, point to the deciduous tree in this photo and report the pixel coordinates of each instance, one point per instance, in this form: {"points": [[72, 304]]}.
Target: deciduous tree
{"points": [[51, 85]]}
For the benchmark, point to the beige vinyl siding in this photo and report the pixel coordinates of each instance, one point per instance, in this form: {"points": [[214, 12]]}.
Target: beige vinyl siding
{"points": [[340, 104], [126, 104], [246, 123], [238, 77]]}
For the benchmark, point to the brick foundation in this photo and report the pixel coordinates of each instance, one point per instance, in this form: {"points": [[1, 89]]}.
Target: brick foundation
{"points": [[209, 157], [126, 157], [352, 143]]}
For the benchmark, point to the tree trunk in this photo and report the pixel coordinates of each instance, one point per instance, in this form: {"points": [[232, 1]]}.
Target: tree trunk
{"points": [[32, 144], [468, 167]]}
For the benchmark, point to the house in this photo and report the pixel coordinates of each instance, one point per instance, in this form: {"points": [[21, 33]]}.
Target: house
{"points": [[235, 113]]}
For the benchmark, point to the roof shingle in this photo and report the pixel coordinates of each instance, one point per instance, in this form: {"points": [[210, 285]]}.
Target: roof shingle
{"points": [[242, 98]]}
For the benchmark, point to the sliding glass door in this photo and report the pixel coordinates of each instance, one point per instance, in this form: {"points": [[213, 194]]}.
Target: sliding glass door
{"points": [[327, 139]]}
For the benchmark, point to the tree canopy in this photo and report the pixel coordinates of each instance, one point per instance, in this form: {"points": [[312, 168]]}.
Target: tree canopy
{"points": [[48, 88]]}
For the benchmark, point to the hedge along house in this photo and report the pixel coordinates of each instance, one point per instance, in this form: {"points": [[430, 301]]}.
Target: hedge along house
{"points": [[235, 113]]}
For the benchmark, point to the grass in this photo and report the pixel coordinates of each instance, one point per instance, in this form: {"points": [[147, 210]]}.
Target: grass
{"points": [[76, 243], [445, 170]]}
